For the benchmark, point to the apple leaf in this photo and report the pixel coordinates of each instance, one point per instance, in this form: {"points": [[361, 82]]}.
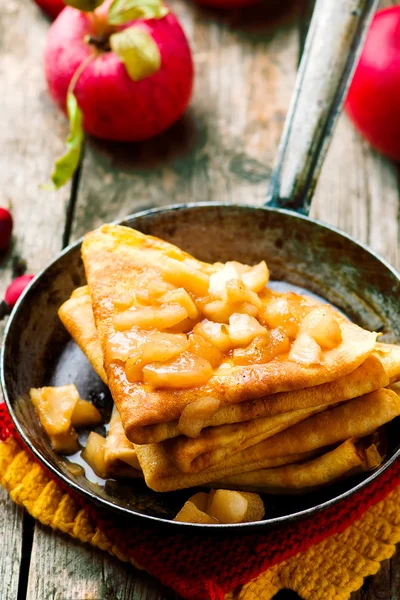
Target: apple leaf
{"points": [[84, 5], [123, 11], [67, 164], [138, 51]]}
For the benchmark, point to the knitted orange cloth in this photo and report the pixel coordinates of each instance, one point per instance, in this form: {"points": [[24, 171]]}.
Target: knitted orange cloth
{"points": [[328, 570]]}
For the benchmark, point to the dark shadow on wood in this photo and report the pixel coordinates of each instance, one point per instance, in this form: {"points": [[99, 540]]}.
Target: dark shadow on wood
{"points": [[259, 20], [28, 527], [188, 134], [70, 208]]}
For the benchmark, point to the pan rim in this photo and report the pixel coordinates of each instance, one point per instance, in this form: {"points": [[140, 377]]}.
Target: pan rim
{"points": [[127, 512]]}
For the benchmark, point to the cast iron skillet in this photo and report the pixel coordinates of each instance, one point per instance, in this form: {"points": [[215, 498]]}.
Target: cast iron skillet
{"points": [[300, 251]]}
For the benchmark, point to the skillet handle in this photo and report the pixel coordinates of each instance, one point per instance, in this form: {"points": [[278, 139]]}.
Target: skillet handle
{"points": [[332, 48]]}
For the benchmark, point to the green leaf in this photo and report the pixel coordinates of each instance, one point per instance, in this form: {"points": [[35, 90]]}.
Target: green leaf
{"points": [[123, 11], [84, 5], [66, 166], [138, 51]]}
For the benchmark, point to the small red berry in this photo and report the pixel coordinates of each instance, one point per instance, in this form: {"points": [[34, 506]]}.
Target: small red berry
{"points": [[6, 225], [16, 288]]}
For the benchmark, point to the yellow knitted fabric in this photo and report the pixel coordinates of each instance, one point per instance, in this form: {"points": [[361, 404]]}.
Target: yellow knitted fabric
{"points": [[330, 570]]}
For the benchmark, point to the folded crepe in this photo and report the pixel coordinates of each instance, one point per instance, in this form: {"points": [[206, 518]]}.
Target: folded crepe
{"points": [[216, 443], [347, 459], [119, 453], [356, 418], [77, 317], [377, 371], [161, 475], [120, 263]]}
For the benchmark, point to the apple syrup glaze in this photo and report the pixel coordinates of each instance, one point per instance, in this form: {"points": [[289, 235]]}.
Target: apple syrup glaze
{"points": [[78, 464]]}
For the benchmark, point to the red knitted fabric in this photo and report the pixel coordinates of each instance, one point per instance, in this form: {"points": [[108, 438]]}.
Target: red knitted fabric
{"points": [[200, 567]]}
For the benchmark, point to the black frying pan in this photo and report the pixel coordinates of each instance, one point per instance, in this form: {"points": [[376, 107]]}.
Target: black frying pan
{"points": [[299, 251]]}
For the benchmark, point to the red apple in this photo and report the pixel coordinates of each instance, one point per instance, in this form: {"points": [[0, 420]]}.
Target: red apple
{"points": [[6, 226], [114, 106], [227, 3], [16, 288], [51, 7], [374, 96]]}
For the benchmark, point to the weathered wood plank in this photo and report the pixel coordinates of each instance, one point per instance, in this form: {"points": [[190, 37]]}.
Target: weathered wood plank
{"points": [[63, 569], [160, 173], [30, 137], [11, 548], [224, 148]]}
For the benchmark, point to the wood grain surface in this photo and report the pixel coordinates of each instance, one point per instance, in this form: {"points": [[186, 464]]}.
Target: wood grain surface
{"points": [[223, 149], [31, 134]]}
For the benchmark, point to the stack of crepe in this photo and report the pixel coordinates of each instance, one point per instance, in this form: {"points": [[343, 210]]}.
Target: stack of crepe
{"points": [[218, 380]]}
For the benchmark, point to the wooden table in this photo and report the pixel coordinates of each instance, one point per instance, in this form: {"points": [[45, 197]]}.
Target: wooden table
{"points": [[222, 149]]}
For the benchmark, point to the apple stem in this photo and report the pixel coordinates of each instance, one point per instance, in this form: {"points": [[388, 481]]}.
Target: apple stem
{"points": [[102, 29], [100, 43]]}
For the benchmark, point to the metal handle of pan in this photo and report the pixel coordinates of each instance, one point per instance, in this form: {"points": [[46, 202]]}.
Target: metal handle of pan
{"points": [[331, 51]]}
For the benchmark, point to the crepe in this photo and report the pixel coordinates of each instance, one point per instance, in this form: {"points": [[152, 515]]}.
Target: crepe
{"points": [[347, 459], [77, 317], [216, 443], [353, 419], [114, 258], [161, 475], [377, 371], [356, 418], [119, 453]]}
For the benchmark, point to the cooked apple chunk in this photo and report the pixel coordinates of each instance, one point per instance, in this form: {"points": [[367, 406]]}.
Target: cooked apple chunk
{"points": [[151, 287], [200, 500], [180, 296], [218, 280], [257, 277], [85, 414], [134, 367], [228, 506], [93, 454], [163, 346], [215, 333], [184, 275], [219, 311], [151, 317], [187, 370], [243, 329], [124, 300], [263, 348], [60, 409], [122, 344], [205, 349], [65, 443], [321, 325], [196, 415], [191, 514], [254, 278], [55, 406], [159, 348], [305, 350], [277, 313], [236, 292]]}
